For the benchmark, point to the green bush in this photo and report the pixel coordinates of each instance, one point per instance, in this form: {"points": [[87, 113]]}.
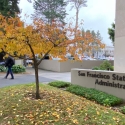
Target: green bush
{"points": [[95, 95], [122, 109], [18, 68], [112, 68], [59, 84], [2, 69], [106, 65], [95, 68]]}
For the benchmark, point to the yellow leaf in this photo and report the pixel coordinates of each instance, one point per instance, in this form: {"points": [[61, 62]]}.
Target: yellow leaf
{"points": [[75, 121], [98, 113]]}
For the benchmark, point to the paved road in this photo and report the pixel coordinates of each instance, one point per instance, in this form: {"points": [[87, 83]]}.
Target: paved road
{"points": [[44, 77], [22, 79]]}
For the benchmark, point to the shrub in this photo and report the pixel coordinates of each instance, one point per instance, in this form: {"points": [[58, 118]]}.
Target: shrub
{"points": [[95, 95], [18, 68], [95, 68], [112, 68], [105, 65], [59, 84], [122, 109], [2, 69]]}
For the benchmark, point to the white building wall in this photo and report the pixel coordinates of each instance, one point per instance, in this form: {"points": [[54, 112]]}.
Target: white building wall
{"points": [[108, 51], [119, 62]]}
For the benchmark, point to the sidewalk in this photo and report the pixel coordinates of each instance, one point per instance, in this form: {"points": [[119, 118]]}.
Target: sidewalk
{"points": [[65, 76], [29, 77]]}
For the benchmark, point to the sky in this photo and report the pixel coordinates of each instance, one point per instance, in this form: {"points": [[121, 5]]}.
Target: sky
{"points": [[98, 15]]}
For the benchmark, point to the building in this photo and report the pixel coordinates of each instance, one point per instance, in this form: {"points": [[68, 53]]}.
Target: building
{"points": [[108, 51], [119, 63]]}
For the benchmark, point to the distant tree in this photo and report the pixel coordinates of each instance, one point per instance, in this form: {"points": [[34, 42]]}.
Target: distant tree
{"points": [[93, 33], [98, 36], [77, 4], [30, 1], [50, 10], [111, 32], [88, 31], [8, 8], [96, 42]]}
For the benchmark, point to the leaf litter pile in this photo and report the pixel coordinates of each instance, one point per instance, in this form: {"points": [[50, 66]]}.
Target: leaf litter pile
{"points": [[56, 107]]}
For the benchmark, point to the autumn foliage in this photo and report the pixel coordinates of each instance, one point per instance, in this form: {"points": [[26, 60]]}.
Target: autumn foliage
{"points": [[18, 39]]}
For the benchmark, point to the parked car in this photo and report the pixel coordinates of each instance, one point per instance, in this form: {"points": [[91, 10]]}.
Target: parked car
{"points": [[90, 58], [56, 58], [2, 63], [110, 58], [70, 58], [29, 62], [85, 58], [103, 58]]}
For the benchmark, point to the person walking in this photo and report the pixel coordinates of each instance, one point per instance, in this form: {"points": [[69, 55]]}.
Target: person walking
{"points": [[9, 63]]}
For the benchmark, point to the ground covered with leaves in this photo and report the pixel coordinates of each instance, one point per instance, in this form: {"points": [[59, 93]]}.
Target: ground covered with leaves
{"points": [[56, 107]]}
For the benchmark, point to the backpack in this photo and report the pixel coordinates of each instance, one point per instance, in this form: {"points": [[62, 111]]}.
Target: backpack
{"points": [[12, 62]]}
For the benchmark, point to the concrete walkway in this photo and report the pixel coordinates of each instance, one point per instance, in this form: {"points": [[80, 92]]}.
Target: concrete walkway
{"points": [[29, 77], [65, 76]]}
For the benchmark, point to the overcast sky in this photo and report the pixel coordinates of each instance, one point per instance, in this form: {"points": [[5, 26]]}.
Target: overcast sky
{"points": [[98, 15]]}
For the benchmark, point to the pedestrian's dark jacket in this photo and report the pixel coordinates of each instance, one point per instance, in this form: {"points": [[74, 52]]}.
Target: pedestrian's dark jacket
{"points": [[9, 62]]}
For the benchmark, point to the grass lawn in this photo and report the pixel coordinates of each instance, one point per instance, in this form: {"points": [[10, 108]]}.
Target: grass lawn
{"points": [[56, 107]]}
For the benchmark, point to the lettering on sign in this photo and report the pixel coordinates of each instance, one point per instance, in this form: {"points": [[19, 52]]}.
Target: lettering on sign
{"points": [[116, 85], [101, 76]]}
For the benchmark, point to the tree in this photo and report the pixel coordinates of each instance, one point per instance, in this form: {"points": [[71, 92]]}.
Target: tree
{"points": [[9, 7], [96, 43], [39, 38], [77, 4], [50, 10], [85, 45], [111, 32], [30, 1], [88, 47], [97, 46]]}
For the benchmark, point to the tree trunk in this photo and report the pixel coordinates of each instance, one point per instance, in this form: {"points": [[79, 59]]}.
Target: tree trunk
{"points": [[97, 54], [76, 26], [37, 81]]}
